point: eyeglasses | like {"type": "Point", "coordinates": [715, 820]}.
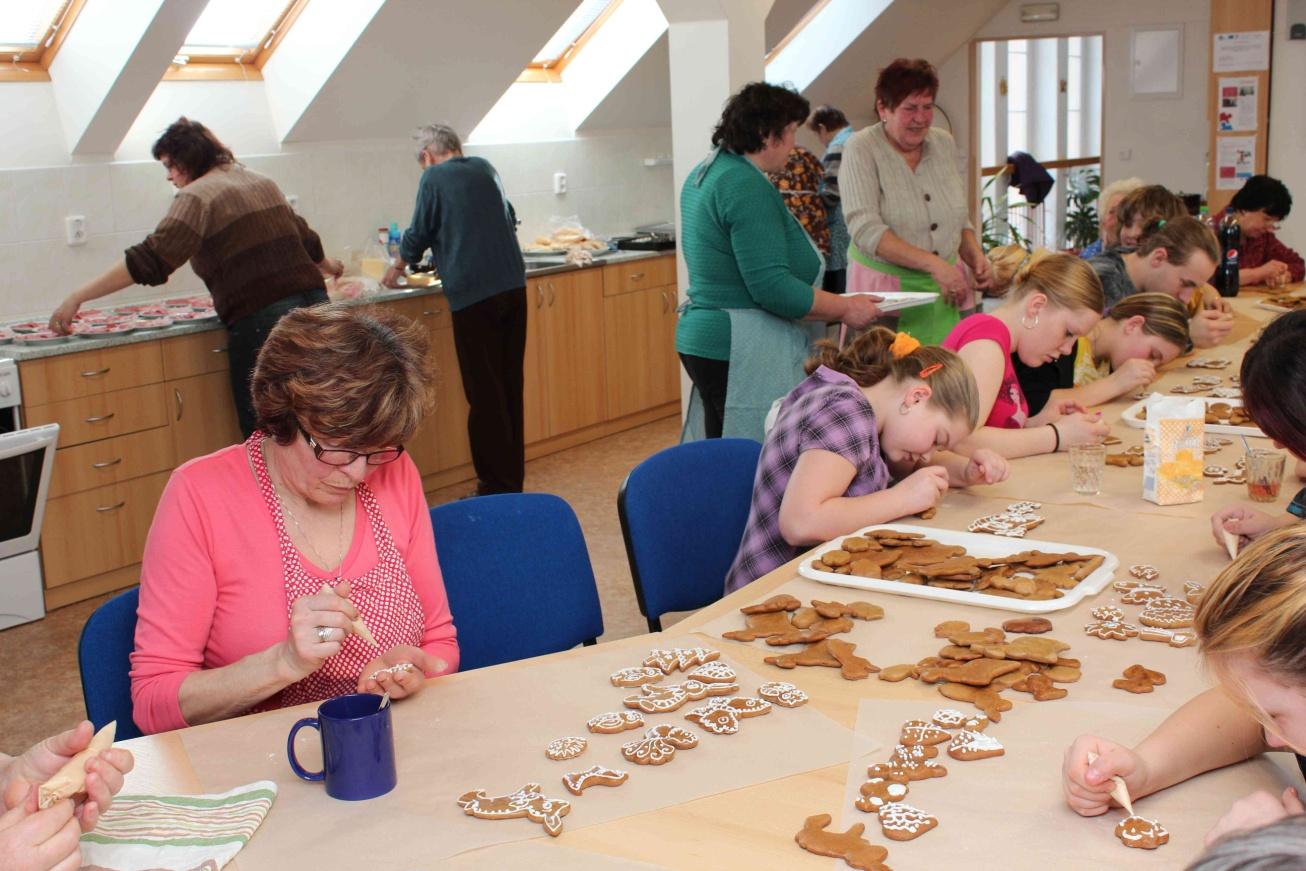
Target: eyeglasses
{"type": "Point", "coordinates": [341, 457]}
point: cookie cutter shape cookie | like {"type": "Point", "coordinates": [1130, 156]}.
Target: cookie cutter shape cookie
{"type": "Point", "coordinates": [636, 676]}
{"type": "Point", "coordinates": [849, 846]}
{"type": "Point", "coordinates": [782, 602]}
{"type": "Point", "coordinates": [922, 732]}
{"type": "Point", "coordinates": [1145, 834]}
{"type": "Point", "coordinates": [1111, 630]}
{"type": "Point", "coordinates": [1167, 614]}
{"type": "Point", "coordinates": [1144, 572]}
{"type": "Point", "coordinates": [680, 658]}
{"type": "Point", "coordinates": [713, 672]}
{"type": "Point", "coordinates": [659, 745]}
{"type": "Point", "coordinates": [782, 693]}
{"type": "Point", "coordinates": [529, 802]}
{"type": "Point", "coordinates": [596, 775]}
{"type": "Point", "coordinates": [1143, 593]}
{"type": "Point", "coordinates": [968, 745]}
{"type": "Point", "coordinates": [876, 792]}
{"type": "Point", "coordinates": [660, 699]}
{"type": "Point", "coordinates": [565, 748]}
{"type": "Point", "coordinates": [1175, 638]}
{"type": "Point", "coordinates": [1107, 612]}
{"type": "Point", "coordinates": [948, 718]}
{"type": "Point", "coordinates": [615, 721]}
{"type": "Point", "coordinates": [917, 761]}
{"type": "Point", "coordinates": [722, 716]}
{"type": "Point", "coordinates": [902, 822]}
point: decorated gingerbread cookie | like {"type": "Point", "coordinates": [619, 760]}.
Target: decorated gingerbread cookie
{"type": "Point", "coordinates": [781, 693]}
{"type": "Point", "coordinates": [1141, 833]}
{"type": "Point", "coordinates": [922, 732]}
{"type": "Point", "coordinates": [529, 802]}
{"type": "Point", "coordinates": [659, 745]}
{"type": "Point", "coordinates": [948, 718]}
{"type": "Point", "coordinates": [1111, 630]}
{"type": "Point", "coordinates": [879, 791]}
{"type": "Point", "coordinates": [615, 721]}
{"type": "Point", "coordinates": [722, 716]}
{"type": "Point", "coordinates": [637, 676]}
{"type": "Point", "coordinates": [968, 745]}
{"type": "Point", "coordinates": [565, 748]}
{"type": "Point", "coordinates": [902, 822]}
{"type": "Point", "coordinates": [596, 775]}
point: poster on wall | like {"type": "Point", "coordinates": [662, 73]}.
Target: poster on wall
{"type": "Point", "coordinates": [1237, 109]}
{"type": "Point", "coordinates": [1241, 52]}
{"type": "Point", "coordinates": [1235, 161]}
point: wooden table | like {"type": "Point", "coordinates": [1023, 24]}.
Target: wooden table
{"type": "Point", "coordinates": [754, 827]}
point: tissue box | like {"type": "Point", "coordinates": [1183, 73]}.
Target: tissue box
{"type": "Point", "coordinates": [1172, 450]}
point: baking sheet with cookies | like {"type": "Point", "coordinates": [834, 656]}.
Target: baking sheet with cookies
{"type": "Point", "coordinates": [976, 545]}
{"type": "Point", "coordinates": [488, 729]}
{"type": "Point", "coordinates": [1132, 417]}
{"type": "Point", "coordinates": [1010, 807]}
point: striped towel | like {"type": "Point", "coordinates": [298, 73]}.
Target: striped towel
{"type": "Point", "coordinates": [176, 832]}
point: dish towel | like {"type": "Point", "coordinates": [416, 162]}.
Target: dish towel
{"type": "Point", "coordinates": [177, 832]}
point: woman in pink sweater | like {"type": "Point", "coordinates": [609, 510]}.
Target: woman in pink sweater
{"type": "Point", "coordinates": [262, 556]}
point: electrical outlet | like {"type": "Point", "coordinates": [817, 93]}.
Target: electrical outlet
{"type": "Point", "coordinates": [75, 228]}
{"type": "Point", "coordinates": [559, 182]}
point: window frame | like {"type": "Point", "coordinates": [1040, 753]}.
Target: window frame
{"type": "Point", "coordinates": [551, 70]}
{"type": "Point", "coordinates": [807, 18]}
{"type": "Point", "coordinates": [34, 65]}
{"type": "Point", "coordinates": [247, 66]}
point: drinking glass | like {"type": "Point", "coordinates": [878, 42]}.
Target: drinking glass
{"type": "Point", "coordinates": [1264, 474]}
{"type": "Point", "coordinates": [1087, 467]}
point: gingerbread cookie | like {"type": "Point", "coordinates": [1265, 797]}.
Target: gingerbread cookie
{"type": "Point", "coordinates": [902, 822]}
{"type": "Point", "coordinates": [1175, 638]}
{"type": "Point", "coordinates": [876, 792]}
{"type": "Point", "coordinates": [818, 631]}
{"type": "Point", "coordinates": [986, 700]}
{"type": "Point", "coordinates": [615, 721]}
{"type": "Point", "coordinates": [959, 654]}
{"type": "Point", "coordinates": [660, 699]}
{"type": "Point", "coordinates": [1193, 592]}
{"type": "Point", "coordinates": [659, 745]}
{"type": "Point", "coordinates": [895, 673]}
{"type": "Point", "coordinates": [1139, 679]}
{"type": "Point", "coordinates": [851, 666]}
{"type": "Point", "coordinates": [1144, 572]}
{"type": "Point", "coordinates": [1167, 614]}
{"type": "Point", "coordinates": [948, 718]}
{"type": "Point", "coordinates": [722, 716]}
{"type": "Point", "coordinates": [782, 602]}
{"type": "Point", "coordinates": [977, 723]}
{"type": "Point", "coordinates": [817, 654]}
{"type": "Point", "coordinates": [849, 846]}
{"type": "Point", "coordinates": [1107, 612]}
{"type": "Point", "coordinates": [917, 762]}
{"type": "Point", "coordinates": [976, 673]}
{"type": "Point", "coordinates": [565, 748]}
{"type": "Point", "coordinates": [1142, 594]}
{"type": "Point", "coordinates": [1044, 650]}
{"type": "Point", "coordinates": [1111, 630]}
{"type": "Point", "coordinates": [596, 775]}
{"type": "Point", "coordinates": [713, 672]}
{"type": "Point", "coordinates": [529, 802]}
{"type": "Point", "coordinates": [786, 695]}
{"type": "Point", "coordinates": [1028, 625]}
{"type": "Point", "coordinates": [968, 745]}
{"type": "Point", "coordinates": [680, 658]}
{"type": "Point", "coordinates": [1142, 833]}
{"type": "Point", "coordinates": [949, 628]}
{"type": "Point", "coordinates": [1040, 687]}
{"type": "Point", "coordinates": [634, 677]}
{"type": "Point", "coordinates": [858, 544]}
{"type": "Point", "coordinates": [987, 636]}
{"type": "Point", "coordinates": [922, 732]}
{"type": "Point", "coordinates": [1062, 673]}
{"type": "Point", "coordinates": [765, 625]}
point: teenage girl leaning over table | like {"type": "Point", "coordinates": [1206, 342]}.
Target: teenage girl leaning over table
{"type": "Point", "coordinates": [1251, 625]}
{"type": "Point", "coordinates": [876, 411]}
{"type": "Point", "coordinates": [1055, 299]}
{"type": "Point", "coordinates": [1273, 379]}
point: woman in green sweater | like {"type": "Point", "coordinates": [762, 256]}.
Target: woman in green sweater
{"type": "Point", "coordinates": [742, 247]}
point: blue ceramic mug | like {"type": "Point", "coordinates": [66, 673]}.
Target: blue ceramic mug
{"type": "Point", "coordinates": [358, 747]}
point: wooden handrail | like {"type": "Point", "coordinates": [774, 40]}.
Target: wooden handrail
{"type": "Point", "coordinates": [1050, 164]}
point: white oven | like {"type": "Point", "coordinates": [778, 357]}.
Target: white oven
{"type": "Point", "coordinates": [26, 461]}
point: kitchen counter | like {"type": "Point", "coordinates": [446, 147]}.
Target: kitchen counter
{"type": "Point", "coordinates": [20, 353]}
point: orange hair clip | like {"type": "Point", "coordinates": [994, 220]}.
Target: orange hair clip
{"type": "Point", "coordinates": [930, 370]}
{"type": "Point", "coordinates": [903, 345]}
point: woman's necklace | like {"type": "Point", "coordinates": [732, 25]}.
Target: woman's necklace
{"type": "Point", "coordinates": [340, 532]}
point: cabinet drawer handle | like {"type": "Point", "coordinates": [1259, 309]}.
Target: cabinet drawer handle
{"type": "Point", "coordinates": [636, 276]}
{"type": "Point", "coordinates": [181, 406]}
{"type": "Point", "coordinates": [539, 291]}
{"type": "Point", "coordinates": [101, 418]}
{"type": "Point", "coordinates": [663, 294]}
{"type": "Point", "coordinates": [430, 313]}
{"type": "Point", "coordinates": [106, 508]}
{"type": "Point", "coordinates": [95, 373]}
{"type": "Point", "coordinates": [107, 463]}
{"type": "Point", "coordinates": [551, 289]}
{"type": "Point", "coordinates": [217, 350]}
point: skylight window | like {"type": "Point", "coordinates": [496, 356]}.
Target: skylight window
{"type": "Point", "coordinates": [233, 39]}
{"type": "Point", "coordinates": [573, 33]}
{"type": "Point", "coordinates": [28, 29]}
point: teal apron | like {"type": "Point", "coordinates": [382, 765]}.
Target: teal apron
{"type": "Point", "coordinates": [928, 324]}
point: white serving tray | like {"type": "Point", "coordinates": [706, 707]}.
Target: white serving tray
{"type": "Point", "coordinates": [895, 300]}
{"type": "Point", "coordinates": [976, 544]}
{"type": "Point", "coordinates": [1131, 418]}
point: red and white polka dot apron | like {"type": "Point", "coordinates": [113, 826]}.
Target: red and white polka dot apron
{"type": "Point", "coordinates": [384, 597]}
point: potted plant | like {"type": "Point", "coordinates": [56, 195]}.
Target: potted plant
{"type": "Point", "coordinates": [1081, 208]}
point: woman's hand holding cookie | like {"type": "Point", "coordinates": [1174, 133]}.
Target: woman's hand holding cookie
{"type": "Point", "coordinates": [380, 676]}
{"type": "Point", "coordinates": [986, 467]}
{"type": "Point", "coordinates": [1134, 374]}
{"type": "Point", "coordinates": [1081, 428]}
{"type": "Point", "coordinates": [319, 624]}
{"type": "Point", "coordinates": [922, 489]}
{"type": "Point", "coordinates": [1088, 785]}
{"type": "Point", "coordinates": [1258, 809]}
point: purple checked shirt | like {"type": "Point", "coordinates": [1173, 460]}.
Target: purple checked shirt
{"type": "Point", "coordinates": [826, 412]}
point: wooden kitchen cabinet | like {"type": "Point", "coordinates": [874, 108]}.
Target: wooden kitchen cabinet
{"type": "Point", "coordinates": [109, 461]}
{"type": "Point", "coordinates": [640, 334]}
{"type": "Point", "coordinates": [90, 373]}
{"type": "Point", "coordinates": [195, 354]}
{"type": "Point", "coordinates": [90, 533]}
{"type": "Point", "coordinates": [102, 416]}
{"type": "Point", "coordinates": [571, 347]}
{"type": "Point", "coordinates": [534, 398]}
{"type": "Point", "coordinates": [448, 420]}
{"type": "Point", "coordinates": [202, 416]}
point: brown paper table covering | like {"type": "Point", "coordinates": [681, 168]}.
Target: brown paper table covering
{"type": "Point", "coordinates": [490, 733]}
{"type": "Point", "coordinates": [1010, 808]}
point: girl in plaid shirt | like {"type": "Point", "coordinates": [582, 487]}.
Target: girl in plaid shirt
{"type": "Point", "coordinates": [854, 445]}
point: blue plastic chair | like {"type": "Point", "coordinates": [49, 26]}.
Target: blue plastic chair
{"type": "Point", "coordinates": [518, 577]}
{"type": "Point", "coordinates": [103, 654]}
{"type": "Point", "coordinates": [683, 512]}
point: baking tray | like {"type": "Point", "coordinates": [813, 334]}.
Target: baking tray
{"type": "Point", "coordinates": [1131, 418]}
{"type": "Point", "coordinates": [895, 300]}
{"type": "Point", "coordinates": [976, 544]}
